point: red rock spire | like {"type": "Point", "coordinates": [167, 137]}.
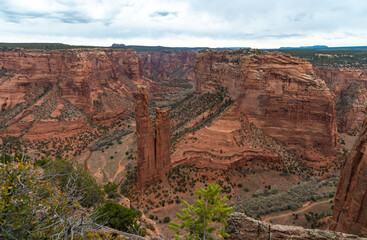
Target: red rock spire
{"type": "Point", "coordinates": [153, 154]}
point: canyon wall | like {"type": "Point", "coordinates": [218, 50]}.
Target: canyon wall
{"type": "Point", "coordinates": [350, 210]}
{"type": "Point", "coordinates": [242, 227]}
{"type": "Point", "coordinates": [277, 92]}
{"type": "Point", "coordinates": [350, 88]}
{"type": "Point", "coordinates": [153, 154]}
{"type": "Point", "coordinates": [41, 90]}
{"type": "Point", "coordinates": [168, 65]}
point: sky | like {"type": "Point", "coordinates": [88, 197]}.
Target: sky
{"type": "Point", "coordinates": [186, 23]}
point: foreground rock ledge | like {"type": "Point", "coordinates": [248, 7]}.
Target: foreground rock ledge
{"type": "Point", "coordinates": [242, 227]}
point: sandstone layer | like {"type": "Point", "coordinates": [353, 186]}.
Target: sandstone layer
{"type": "Point", "coordinates": [153, 153]}
{"type": "Point", "coordinates": [42, 91]}
{"type": "Point", "coordinates": [168, 65]}
{"type": "Point", "coordinates": [162, 142]}
{"type": "Point", "coordinates": [242, 227]}
{"type": "Point", "coordinates": [278, 93]}
{"type": "Point", "coordinates": [350, 210]}
{"type": "Point", "coordinates": [350, 88]}
{"type": "Point", "coordinates": [229, 141]}
{"type": "Point", "coordinates": [147, 171]}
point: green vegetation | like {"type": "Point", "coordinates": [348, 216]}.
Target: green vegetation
{"type": "Point", "coordinates": [31, 208]}
{"type": "Point", "coordinates": [331, 57]}
{"type": "Point", "coordinates": [191, 107]}
{"type": "Point", "coordinates": [268, 201]}
{"type": "Point", "coordinates": [111, 189]}
{"type": "Point", "coordinates": [118, 217]}
{"type": "Point", "coordinates": [75, 180]}
{"type": "Point", "coordinates": [197, 219]}
{"type": "Point", "coordinates": [56, 201]}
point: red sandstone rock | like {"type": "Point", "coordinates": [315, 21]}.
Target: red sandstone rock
{"type": "Point", "coordinates": [162, 142]}
{"type": "Point", "coordinates": [153, 154]}
{"type": "Point", "coordinates": [277, 92]}
{"type": "Point", "coordinates": [168, 65]}
{"type": "Point", "coordinates": [67, 85]}
{"type": "Point", "coordinates": [147, 171]}
{"type": "Point", "coordinates": [350, 88]}
{"type": "Point", "coordinates": [350, 210]}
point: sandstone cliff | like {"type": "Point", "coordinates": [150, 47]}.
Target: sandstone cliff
{"type": "Point", "coordinates": [153, 154]}
{"type": "Point", "coordinates": [43, 91]}
{"type": "Point", "coordinates": [350, 210]}
{"type": "Point", "coordinates": [242, 227]}
{"type": "Point", "coordinates": [168, 65]}
{"type": "Point", "coordinates": [350, 88]}
{"type": "Point", "coordinates": [278, 93]}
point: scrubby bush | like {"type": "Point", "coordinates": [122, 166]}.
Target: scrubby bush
{"type": "Point", "coordinates": [267, 201]}
{"type": "Point", "coordinates": [74, 180]}
{"type": "Point", "coordinates": [111, 189]}
{"type": "Point", "coordinates": [118, 217]}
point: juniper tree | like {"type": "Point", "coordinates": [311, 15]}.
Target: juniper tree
{"type": "Point", "coordinates": [198, 220]}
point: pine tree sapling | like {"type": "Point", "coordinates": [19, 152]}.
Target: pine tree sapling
{"type": "Point", "coordinates": [197, 220]}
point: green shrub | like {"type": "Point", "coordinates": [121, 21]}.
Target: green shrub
{"type": "Point", "coordinates": [111, 189]}
{"type": "Point", "coordinates": [166, 219]}
{"type": "Point", "coordinates": [75, 181]}
{"type": "Point", "coordinates": [118, 217]}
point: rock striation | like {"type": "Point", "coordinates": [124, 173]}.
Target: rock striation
{"type": "Point", "coordinates": [44, 91]}
{"type": "Point", "coordinates": [162, 142]}
{"type": "Point", "coordinates": [153, 153]}
{"type": "Point", "coordinates": [278, 93]}
{"type": "Point", "coordinates": [350, 88]}
{"type": "Point", "coordinates": [242, 227]}
{"type": "Point", "coordinates": [350, 210]}
{"type": "Point", "coordinates": [168, 65]}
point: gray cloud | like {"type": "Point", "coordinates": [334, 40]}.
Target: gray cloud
{"type": "Point", "coordinates": [163, 14]}
{"type": "Point", "coordinates": [266, 22]}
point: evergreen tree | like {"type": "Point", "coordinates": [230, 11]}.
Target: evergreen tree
{"type": "Point", "coordinates": [198, 219]}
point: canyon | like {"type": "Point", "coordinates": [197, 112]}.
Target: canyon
{"type": "Point", "coordinates": [278, 108]}
{"type": "Point", "coordinates": [48, 92]}
{"type": "Point", "coordinates": [350, 88]}
{"type": "Point", "coordinates": [225, 115]}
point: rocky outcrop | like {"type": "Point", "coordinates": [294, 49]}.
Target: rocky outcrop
{"type": "Point", "coordinates": [162, 142]}
{"type": "Point", "coordinates": [242, 227]}
{"type": "Point", "coordinates": [76, 85]}
{"type": "Point", "coordinates": [278, 93]}
{"type": "Point", "coordinates": [147, 171]}
{"type": "Point", "coordinates": [229, 141]}
{"type": "Point", "coordinates": [350, 88]}
{"type": "Point", "coordinates": [350, 210]}
{"type": "Point", "coordinates": [168, 65]}
{"type": "Point", "coordinates": [153, 154]}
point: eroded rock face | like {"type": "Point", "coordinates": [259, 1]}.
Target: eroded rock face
{"type": "Point", "coordinates": [350, 210]}
{"type": "Point", "coordinates": [65, 86]}
{"type": "Point", "coordinates": [147, 171]}
{"type": "Point", "coordinates": [168, 65]}
{"type": "Point", "coordinates": [153, 154]}
{"type": "Point", "coordinates": [277, 92]}
{"type": "Point", "coordinates": [350, 88]}
{"type": "Point", "coordinates": [162, 142]}
{"type": "Point", "coordinates": [242, 227]}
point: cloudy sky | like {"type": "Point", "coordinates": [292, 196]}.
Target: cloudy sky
{"type": "Point", "coordinates": [210, 23]}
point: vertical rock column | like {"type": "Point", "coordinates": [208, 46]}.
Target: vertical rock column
{"type": "Point", "coordinates": [144, 131]}
{"type": "Point", "coordinates": [162, 142]}
{"type": "Point", "coordinates": [350, 210]}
